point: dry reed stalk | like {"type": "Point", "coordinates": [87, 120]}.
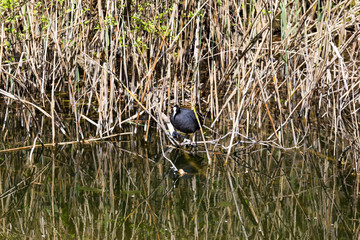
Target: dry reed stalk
{"type": "Point", "coordinates": [87, 141]}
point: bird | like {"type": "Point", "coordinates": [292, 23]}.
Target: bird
{"type": "Point", "coordinates": [184, 120]}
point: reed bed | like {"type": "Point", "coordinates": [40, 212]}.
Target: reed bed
{"type": "Point", "coordinates": [277, 82]}
{"type": "Point", "coordinates": [269, 73]}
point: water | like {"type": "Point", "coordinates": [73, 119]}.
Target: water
{"type": "Point", "coordinates": [125, 188]}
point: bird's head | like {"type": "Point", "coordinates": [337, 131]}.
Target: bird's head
{"type": "Point", "coordinates": [176, 110]}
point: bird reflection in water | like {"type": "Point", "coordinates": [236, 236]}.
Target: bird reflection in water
{"type": "Point", "coordinates": [187, 163]}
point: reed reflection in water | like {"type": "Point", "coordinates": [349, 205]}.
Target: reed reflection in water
{"type": "Point", "coordinates": [127, 189]}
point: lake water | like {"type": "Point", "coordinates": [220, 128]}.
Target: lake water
{"type": "Point", "coordinates": [125, 188]}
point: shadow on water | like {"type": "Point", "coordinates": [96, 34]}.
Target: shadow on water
{"type": "Point", "coordinates": [126, 188]}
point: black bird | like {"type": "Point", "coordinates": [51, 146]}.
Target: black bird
{"type": "Point", "coordinates": [184, 120]}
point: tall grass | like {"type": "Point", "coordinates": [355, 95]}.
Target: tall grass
{"type": "Point", "coordinates": [263, 72]}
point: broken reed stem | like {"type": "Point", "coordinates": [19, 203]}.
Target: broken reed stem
{"type": "Point", "coordinates": [87, 141]}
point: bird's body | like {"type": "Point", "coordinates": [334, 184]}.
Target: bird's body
{"type": "Point", "coordinates": [184, 120]}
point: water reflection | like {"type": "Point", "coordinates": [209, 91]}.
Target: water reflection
{"type": "Point", "coordinates": [121, 189]}
{"type": "Point", "coordinates": [188, 164]}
